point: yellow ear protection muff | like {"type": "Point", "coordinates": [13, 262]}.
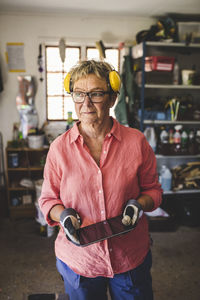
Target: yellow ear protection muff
{"type": "Point", "coordinates": [67, 83]}
{"type": "Point", "coordinates": [114, 82]}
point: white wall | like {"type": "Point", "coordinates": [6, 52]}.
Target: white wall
{"type": "Point", "coordinates": [35, 29]}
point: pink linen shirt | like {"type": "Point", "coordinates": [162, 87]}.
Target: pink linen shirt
{"type": "Point", "coordinates": [72, 178]}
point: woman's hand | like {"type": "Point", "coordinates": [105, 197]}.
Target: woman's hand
{"type": "Point", "coordinates": [70, 221]}
{"type": "Point", "coordinates": [132, 212]}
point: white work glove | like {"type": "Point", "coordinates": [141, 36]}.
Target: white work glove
{"type": "Point", "coordinates": [132, 212]}
{"type": "Point", "coordinates": [70, 221]}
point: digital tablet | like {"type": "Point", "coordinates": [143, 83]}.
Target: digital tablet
{"type": "Point", "coordinates": [102, 230]}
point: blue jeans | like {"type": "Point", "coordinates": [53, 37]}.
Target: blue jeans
{"type": "Point", "coordinates": [135, 284]}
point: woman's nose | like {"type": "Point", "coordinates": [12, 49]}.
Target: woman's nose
{"type": "Point", "coordinates": [87, 100]}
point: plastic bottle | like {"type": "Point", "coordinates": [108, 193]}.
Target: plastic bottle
{"type": "Point", "coordinates": [164, 136]}
{"type": "Point", "coordinates": [177, 138]}
{"type": "Point", "coordinates": [69, 120]}
{"type": "Point", "coordinates": [191, 142]}
{"type": "Point", "coordinates": [166, 178]}
{"type": "Point", "coordinates": [150, 135]}
{"type": "Point", "coordinates": [197, 140]}
{"type": "Point", "coordinates": [184, 142]}
{"type": "Point", "coordinates": [164, 141]}
{"type": "Point", "coordinates": [171, 141]}
{"type": "Point", "coordinates": [176, 73]}
{"type": "Point", "coordinates": [162, 170]}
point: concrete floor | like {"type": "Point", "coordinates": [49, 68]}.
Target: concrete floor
{"type": "Point", "coordinates": [27, 262]}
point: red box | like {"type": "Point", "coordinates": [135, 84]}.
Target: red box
{"type": "Point", "coordinates": [159, 63]}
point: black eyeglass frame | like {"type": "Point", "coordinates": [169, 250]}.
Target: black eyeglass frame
{"type": "Point", "coordinates": [89, 96]}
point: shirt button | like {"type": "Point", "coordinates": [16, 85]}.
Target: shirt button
{"type": "Point", "coordinates": [109, 135]}
{"type": "Point", "coordinates": [100, 191]}
{"type": "Point", "coordinates": [102, 212]}
{"type": "Point", "coordinates": [110, 249]}
{"type": "Point", "coordinates": [99, 171]}
{"type": "Point", "coordinates": [104, 151]}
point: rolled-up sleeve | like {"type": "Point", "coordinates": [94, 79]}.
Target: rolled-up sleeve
{"type": "Point", "coordinates": [148, 176]}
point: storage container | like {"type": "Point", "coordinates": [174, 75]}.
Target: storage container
{"type": "Point", "coordinates": [159, 63]}
{"type": "Point", "coordinates": [186, 29]}
{"type": "Point", "coordinates": [13, 160]}
{"type": "Point", "coordinates": [36, 141]}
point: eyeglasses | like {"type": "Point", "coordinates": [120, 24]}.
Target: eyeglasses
{"type": "Point", "coordinates": [95, 97]}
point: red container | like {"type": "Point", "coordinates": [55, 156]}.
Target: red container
{"type": "Point", "coordinates": [159, 63]}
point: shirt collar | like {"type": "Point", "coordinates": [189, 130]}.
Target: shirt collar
{"type": "Point", "coordinates": [74, 133]}
{"type": "Point", "coordinates": [115, 131]}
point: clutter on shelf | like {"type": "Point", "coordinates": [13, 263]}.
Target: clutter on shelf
{"type": "Point", "coordinates": [170, 29]}
{"type": "Point", "coordinates": [163, 29]}
{"type": "Point", "coordinates": [176, 108]}
{"type": "Point", "coordinates": [178, 140]}
{"type": "Point", "coordinates": [173, 140]}
{"type": "Point", "coordinates": [186, 176]}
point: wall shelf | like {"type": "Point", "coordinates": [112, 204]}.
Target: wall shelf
{"type": "Point", "coordinates": [138, 50]}
{"type": "Point", "coordinates": [170, 86]}
{"type": "Point", "coordinates": [166, 122]}
{"type": "Point", "coordinates": [177, 156]}
{"type": "Point", "coordinates": [39, 168]}
{"type": "Point", "coordinates": [194, 191]}
{"type": "Point", "coordinates": [31, 165]}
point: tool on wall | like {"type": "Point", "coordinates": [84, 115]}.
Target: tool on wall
{"type": "Point", "coordinates": [62, 49]}
{"type": "Point", "coordinates": [101, 48]}
{"type": "Point", "coordinates": [40, 62]}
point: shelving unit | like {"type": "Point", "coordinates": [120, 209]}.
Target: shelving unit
{"type": "Point", "coordinates": [169, 86]}
{"type": "Point", "coordinates": [142, 50]}
{"type": "Point", "coordinates": [30, 166]}
{"type": "Point", "coordinates": [165, 122]}
{"type": "Point", "coordinates": [187, 56]}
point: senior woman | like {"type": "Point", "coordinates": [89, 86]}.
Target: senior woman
{"type": "Point", "coordinates": [97, 170]}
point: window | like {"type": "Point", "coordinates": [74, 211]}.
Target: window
{"type": "Point", "coordinates": [58, 102]}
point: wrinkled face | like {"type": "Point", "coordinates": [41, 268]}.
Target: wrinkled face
{"type": "Point", "coordinates": [88, 112]}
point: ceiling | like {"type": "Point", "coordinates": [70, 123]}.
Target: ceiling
{"type": "Point", "coordinates": [145, 8]}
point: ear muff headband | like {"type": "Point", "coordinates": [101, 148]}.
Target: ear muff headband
{"type": "Point", "coordinates": [114, 81]}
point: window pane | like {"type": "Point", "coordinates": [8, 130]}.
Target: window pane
{"type": "Point", "coordinates": [72, 56]}
{"type": "Point", "coordinates": [54, 84]}
{"type": "Point", "coordinates": [69, 106]}
{"type": "Point", "coordinates": [92, 53]}
{"type": "Point", "coordinates": [54, 62]}
{"type": "Point", "coordinates": [54, 108]}
{"type": "Point", "coordinates": [112, 57]}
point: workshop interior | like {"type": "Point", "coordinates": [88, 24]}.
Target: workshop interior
{"type": "Point", "coordinates": [155, 50]}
